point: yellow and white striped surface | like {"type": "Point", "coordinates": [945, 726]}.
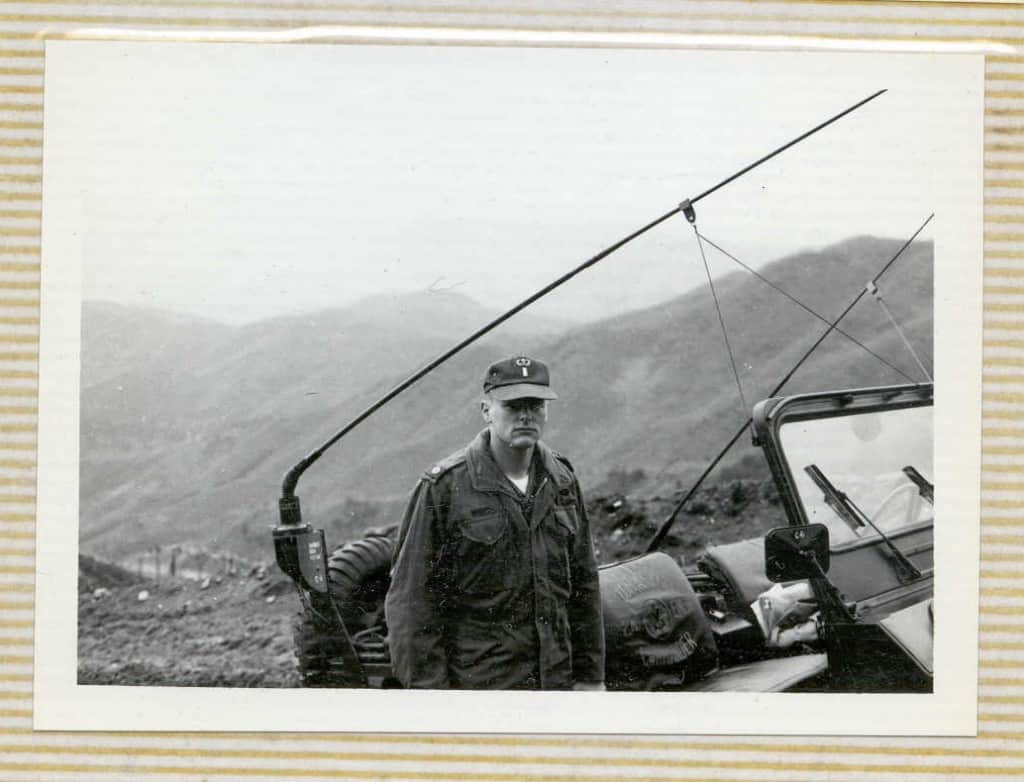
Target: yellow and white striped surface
{"type": "Point", "coordinates": [997, 752]}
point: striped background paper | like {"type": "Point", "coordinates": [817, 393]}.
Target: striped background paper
{"type": "Point", "coordinates": [997, 752]}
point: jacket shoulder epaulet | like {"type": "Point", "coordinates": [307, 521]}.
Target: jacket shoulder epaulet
{"type": "Point", "coordinates": [433, 474]}
{"type": "Point", "coordinates": [564, 461]}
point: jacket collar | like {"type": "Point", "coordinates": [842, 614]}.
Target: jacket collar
{"type": "Point", "coordinates": [485, 474]}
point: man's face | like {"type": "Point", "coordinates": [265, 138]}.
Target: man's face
{"type": "Point", "coordinates": [518, 423]}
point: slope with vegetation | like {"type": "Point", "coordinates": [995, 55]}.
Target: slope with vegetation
{"type": "Point", "coordinates": [188, 426]}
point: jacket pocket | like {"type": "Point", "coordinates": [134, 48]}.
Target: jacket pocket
{"type": "Point", "coordinates": [483, 555]}
{"type": "Point", "coordinates": [561, 541]}
{"type": "Point", "coordinates": [485, 528]}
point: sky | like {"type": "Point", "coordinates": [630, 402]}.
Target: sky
{"type": "Point", "coordinates": [242, 181]}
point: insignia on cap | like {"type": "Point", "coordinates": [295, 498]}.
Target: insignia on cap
{"type": "Point", "coordinates": [522, 362]}
{"type": "Point", "coordinates": [435, 470]}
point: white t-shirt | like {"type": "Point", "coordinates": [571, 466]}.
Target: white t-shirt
{"type": "Point", "coordinates": [520, 483]}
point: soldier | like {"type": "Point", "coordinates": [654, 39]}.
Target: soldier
{"type": "Point", "coordinates": [494, 583]}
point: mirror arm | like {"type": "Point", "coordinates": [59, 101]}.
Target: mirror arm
{"type": "Point", "coordinates": [829, 597]}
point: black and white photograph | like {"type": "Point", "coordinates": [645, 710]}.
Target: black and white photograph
{"type": "Point", "coordinates": [574, 386]}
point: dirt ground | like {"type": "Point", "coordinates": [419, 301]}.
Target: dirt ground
{"type": "Point", "coordinates": [234, 630]}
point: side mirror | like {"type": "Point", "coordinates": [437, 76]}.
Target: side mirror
{"type": "Point", "coordinates": [796, 553]}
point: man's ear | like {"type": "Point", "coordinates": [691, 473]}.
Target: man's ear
{"type": "Point", "coordinates": [485, 410]}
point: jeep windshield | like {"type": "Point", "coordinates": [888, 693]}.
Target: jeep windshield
{"type": "Point", "coordinates": [881, 460]}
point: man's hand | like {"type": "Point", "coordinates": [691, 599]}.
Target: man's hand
{"type": "Point", "coordinates": [589, 686]}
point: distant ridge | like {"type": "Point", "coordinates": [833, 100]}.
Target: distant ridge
{"type": "Point", "coordinates": [189, 425]}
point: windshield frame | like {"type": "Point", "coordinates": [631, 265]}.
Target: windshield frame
{"type": "Point", "coordinates": [771, 414]}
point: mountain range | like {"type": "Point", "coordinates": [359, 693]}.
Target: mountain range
{"type": "Point", "coordinates": [188, 425]}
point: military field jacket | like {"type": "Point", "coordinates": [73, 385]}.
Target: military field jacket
{"type": "Point", "coordinates": [489, 594]}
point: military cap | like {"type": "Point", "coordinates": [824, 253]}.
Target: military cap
{"type": "Point", "coordinates": [518, 377]}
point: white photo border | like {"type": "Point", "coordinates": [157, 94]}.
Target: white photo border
{"type": "Point", "coordinates": [60, 703]}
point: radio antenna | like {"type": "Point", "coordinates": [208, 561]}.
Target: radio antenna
{"type": "Point", "coordinates": [291, 514]}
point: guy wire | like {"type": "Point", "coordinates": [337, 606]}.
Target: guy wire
{"type": "Point", "coordinates": [892, 320]}
{"type": "Point", "coordinates": [659, 536]}
{"type": "Point", "coordinates": [721, 320]}
{"type": "Point", "coordinates": [807, 309]}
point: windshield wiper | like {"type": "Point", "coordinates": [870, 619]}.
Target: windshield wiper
{"type": "Point", "coordinates": [926, 488]}
{"type": "Point", "coordinates": [856, 519]}
{"type": "Point", "coordinates": [840, 504]}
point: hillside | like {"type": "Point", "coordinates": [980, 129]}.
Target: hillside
{"type": "Point", "coordinates": [188, 427]}
{"type": "Point", "coordinates": [185, 420]}
{"type": "Point", "coordinates": [117, 338]}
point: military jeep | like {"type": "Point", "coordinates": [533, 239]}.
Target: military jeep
{"type": "Point", "coordinates": [838, 600]}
